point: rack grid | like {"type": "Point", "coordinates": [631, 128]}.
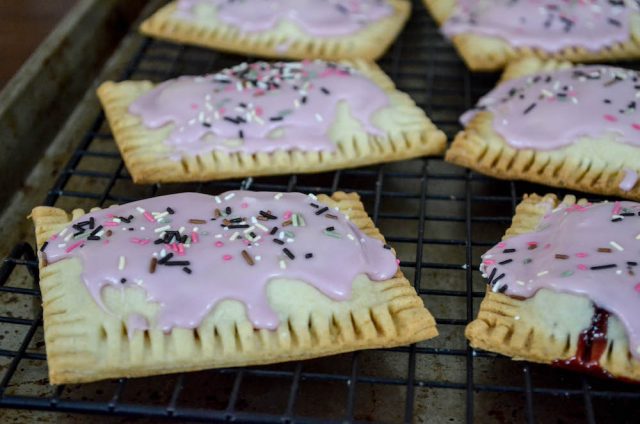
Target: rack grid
{"type": "Point", "coordinates": [439, 218]}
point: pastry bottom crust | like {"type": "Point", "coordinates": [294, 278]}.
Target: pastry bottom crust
{"type": "Point", "coordinates": [486, 53]}
{"type": "Point", "coordinates": [86, 343]}
{"type": "Point", "coordinates": [593, 165]}
{"type": "Point", "coordinates": [546, 327]}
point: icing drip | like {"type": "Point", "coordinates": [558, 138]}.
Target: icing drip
{"type": "Point", "coordinates": [591, 250]}
{"type": "Point", "coordinates": [260, 107]}
{"type": "Point", "coordinates": [319, 18]}
{"type": "Point", "coordinates": [549, 25]}
{"type": "Point", "coordinates": [551, 110]}
{"type": "Point", "coordinates": [189, 251]}
{"type": "Point", "coordinates": [630, 179]}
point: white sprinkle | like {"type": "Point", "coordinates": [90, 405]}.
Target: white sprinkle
{"type": "Point", "coordinates": [319, 117]}
{"type": "Point", "coordinates": [181, 230]}
{"type": "Point", "coordinates": [61, 245]}
{"type": "Point", "coordinates": [262, 227]}
{"type": "Point", "coordinates": [278, 196]}
{"type": "Point", "coordinates": [229, 196]}
{"type": "Point", "coordinates": [163, 253]}
{"type": "Point", "coordinates": [195, 229]}
{"type": "Point", "coordinates": [117, 220]}
{"type": "Point", "coordinates": [283, 264]}
{"type": "Point", "coordinates": [217, 199]}
{"type": "Point", "coordinates": [520, 283]}
{"type": "Point", "coordinates": [121, 263]}
{"type": "Point", "coordinates": [235, 236]}
{"type": "Point", "coordinates": [141, 228]}
{"type": "Point", "coordinates": [638, 236]}
{"type": "Point", "coordinates": [313, 196]}
{"type": "Point", "coordinates": [350, 236]}
{"type": "Point", "coordinates": [67, 238]}
{"type": "Point", "coordinates": [63, 232]}
{"type": "Point", "coordinates": [616, 245]}
{"type": "Point", "coordinates": [540, 274]}
{"type": "Point", "coordinates": [248, 230]}
{"type": "Point", "coordinates": [160, 229]}
{"type": "Point", "coordinates": [619, 271]}
{"type": "Point", "coordinates": [218, 236]}
{"type": "Point", "coordinates": [257, 258]}
{"type": "Point", "coordinates": [139, 209]}
{"type": "Point", "coordinates": [517, 317]}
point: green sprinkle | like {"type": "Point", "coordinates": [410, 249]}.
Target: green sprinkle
{"type": "Point", "coordinates": [567, 273]}
{"type": "Point", "coordinates": [332, 234]}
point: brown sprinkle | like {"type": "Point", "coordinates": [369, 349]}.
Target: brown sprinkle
{"type": "Point", "coordinates": [562, 256]}
{"type": "Point", "coordinates": [287, 223]}
{"type": "Point", "coordinates": [330, 216]}
{"type": "Point", "coordinates": [153, 265]}
{"type": "Point", "coordinates": [197, 221]}
{"type": "Point", "coordinates": [604, 250]}
{"type": "Point", "coordinates": [247, 257]}
{"type": "Point", "coordinates": [109, 233]}
{"type": "Point", "coordinates": [217, 213]}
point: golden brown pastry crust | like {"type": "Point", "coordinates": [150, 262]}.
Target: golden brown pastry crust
{"type": "Point", "coordinates": [592, 165]}
{"type": "Point", "coordinates": [546, 327]}
{"type": "Point", "coordinates": [409, 134]}
{"type": "Point", "coordinates": [85, 343]}
{"type": "Point", "coordinates": [485, 53]}
{"type": "Point", "coordinates": [369, 43]}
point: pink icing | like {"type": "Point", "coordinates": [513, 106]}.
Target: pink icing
{"type": "Point", "coordinates": [551, 110]}
{"type": "Point", "coordinates": [549, 25]}
{"type": "Point", "coordinates": [629, 181]}
{"type": "Point", "coordinates": [249, 102]}
{"type": "Point", "coordinates": [608, 274]}
{"type": "Point", "coordinates": [320, 18]}
{"type": "Point", "coordinates": [324, 250]}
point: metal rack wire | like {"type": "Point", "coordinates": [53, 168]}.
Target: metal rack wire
{"type": "Point", "coordinates": [438, 217]}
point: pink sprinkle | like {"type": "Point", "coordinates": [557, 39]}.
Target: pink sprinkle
{"type": "Point", "coordinates": [635, 127]}
{"type": "Point", "coordinates": [244, 205]}
{"type": "Point", "coordinates": [532, 243]}
{"type": "Point", "coordinates": [398, 262]}
{"type": "Point", "coordinates": [610, 118]}
{"type": "Point", "coordinates": [616, 208]}
{"type": "Point", "coordinates": [502, 244]}
{"type": "Point", "coordinates": [144, 242]}
{"type": "Point", "coordinates": [227, 257]}
{"type": "Point", "coordinates": [489, 262]}
{"type": "Point", "coordinates": [194, 237]}
{"type": "Point", "coordinates": [53, 237]}
{"type": "Point", "coordinates": [222, 111]}
{"type": "Point", "coordinates": [194, 106]}
{"type": "Point", "coordinates": [287, 215]}
{"type": "Point", "coordinates": [582, 267]}
{"type": "Point", "coordinates": [246, 242]}
{"type": "Point", "coordinates": [582, 254]}
{"type": "Point", "coordinates": [180, 249]}
{"type": "Point", "coordinates": [219, 244]}
{"type": "Point", "coordinates": [637, 287]}
{"type": "Point", "coordinates": [110, 215]}
{"type": "Point", "coordinates": [259, 111]}
{"type": "Point", "coordinates": [135, 240]}
{"type": "Point", "coordinates": [110, 224]}
{"type": "Point", "coordinates": [106, 241]}
{"type": "Point", "coordinates": [149, 217]}
{"type": "Point", "coordinates": [73, 246]}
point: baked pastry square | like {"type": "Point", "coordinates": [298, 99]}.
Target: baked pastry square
{"type": "Point", "coordinates": [190, 281]}
{"type": "Point", "coordinates": [563, 287]}
{"type": "Point", "coordinates": [554, 124]}
{"type": "Point", "coordinates": [286, 29]}
{"type": "Point", "coordinates": [265, 119]}
{"type": "Point", "coordinates": [489, 34]}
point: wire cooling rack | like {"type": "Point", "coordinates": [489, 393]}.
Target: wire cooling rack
{"type": "Point", "coordinates": [439, 217]}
